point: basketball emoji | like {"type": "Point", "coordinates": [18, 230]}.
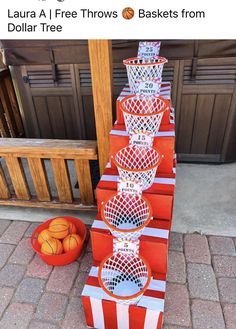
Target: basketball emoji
{"type": "Point", "coordinates": [71, 242]}
{"type": "Point", "coordinates": [44, 235]}
{"type": "Point", "coordinates": [128, 13]}
{"type": "Point", "coordinates": [52, 247]}
{"type": "Point", "coordinates": [59, 228]}
{"type": "Point", "coordinates": [72, 228]}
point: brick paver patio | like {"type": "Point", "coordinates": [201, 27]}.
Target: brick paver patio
{"type": "Point", "coordinates": [201, 289]}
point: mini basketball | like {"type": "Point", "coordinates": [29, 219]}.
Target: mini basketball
{"type": "Point", "coordinates": [71, 242]}
{"type": "Point", "coordinates": [72, 228]}
{"type": "Point", "coordinates": [44, 235]}
{"type": "Point", "coordinates": [59, 228]}
{"type": "Point", "coordinates": [128, 13]}
{"type": "Point", "coordinates": [52, 247]}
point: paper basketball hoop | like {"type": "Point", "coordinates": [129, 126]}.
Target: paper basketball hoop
{"type": "Point", "coordinates": [138, 163]}
{"type": "Point", "coordinates": [124, 277]}
{"type": "Point", "coordinates": [126, 215]}
{"type": "Point", "coordinates": [141, 68]}
{"type": "Point", "coordinates": [142, 113]}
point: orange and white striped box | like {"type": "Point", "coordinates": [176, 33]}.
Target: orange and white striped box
{"type": "Point", "coordinates": [160, 194]}
{"type": "Point", "coordinates": [102, 312]}
{"type": "Point", "coordinates": [154, 238]}
{"type": "Point", "coordinates": [164, 143]}
{"type": "Point", "coordinates": [165, 92]}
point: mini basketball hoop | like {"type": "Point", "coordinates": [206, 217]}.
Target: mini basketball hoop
{"type": "Point", "coordinates": [141, 68]}
{"type": "Point", "coordinates": [143, 113]}
{"type": "Point", "coordinates": [138, 163]}
{"type": "Point", "coordinates": [124, 277]}
{"type": "Point", "coordinates": [126, 215]}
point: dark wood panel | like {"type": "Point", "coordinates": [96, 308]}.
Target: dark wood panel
{"type": "Point", "coordinates": [179, 93]}
{"type": "Point", "coordinates": [208, 89]}
{"type": "Point", "coordinates": [56, 117]}
{"type": "Point", "coordinates": [229, 145]}
{"type": "Point", "coordinates": [218, 123]}
{"type": "Point", "coordinates": [212, 77]}
{"type": "Point", "coordinates": [201, 158]}
{"type": "Point", "coordinates": [43, 119]}
{"type": "Point", "coordinates": [68, 110]}
{"type": "Point", "coordinates": [186, 123]}
{"type": "Point", "coordinates": [202, 123]}
{"type": "Point", "coordinates": [89, 117]}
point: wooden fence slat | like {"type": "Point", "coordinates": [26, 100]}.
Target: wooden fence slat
{"type": "Point", "coordinates": [62, 180]}
{"type": "Point", "coordinates": [18, 178]}
{"type": "Point", "coordinates": [8, 110]}
{"type": "Point", "coordinates": [14, 106]}
{"type": "Point", "coordinates": [4, 190]}
{"type": "Point", "coordinates": [84, 179]}
{"type": "Point", "coordinates": [4, 130]}
{"type": "Point", "coordinates": [38, 174]}
{"type": "Point", "coordinates": [101, 74]}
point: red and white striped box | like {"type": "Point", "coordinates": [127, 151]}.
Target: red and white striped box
{"type": "Point", "coordinates": [102, 312]}
{"type": "Point", "coordinates": [160, 194]}
{"type": "Point", "coordinates": [164, 143]}
{"type": "Point", "coordinates": [155, 237]}
{"type": "Point", "coordinates": [165, 92]}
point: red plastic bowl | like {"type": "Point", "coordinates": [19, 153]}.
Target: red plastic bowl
{"type": "Point", "coordinates": [65, 258]}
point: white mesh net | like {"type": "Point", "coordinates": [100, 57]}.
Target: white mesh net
{"type": "Point", "coordinates": [126, 276]}
{"type": "Point", "coordinates": [138, 163]}
{"type": "Point", "coordinates": [143, 113]}
{"type": "Point", "coordinates": [140, 68]}
{"type": "Point", "coordinates": [126, 215]}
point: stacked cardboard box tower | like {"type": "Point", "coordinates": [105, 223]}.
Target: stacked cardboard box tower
{"type": "Point", "coordinates": [101, 309]}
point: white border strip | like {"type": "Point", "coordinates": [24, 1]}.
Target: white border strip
{"type": "Point", "coordinates": [122, 314]}
{"type": "Point", "coordinates": [151, 319]}
{"type": "Point", "coordinates": [157, 180]}
{"type": "Point", "coordinates": [149, 231]}
{"type": "Point", "coordinates": [152, 303]}
{"type": "Point", "coordinates": [158, 134]}
{"type": "Point", "coordinates": [157, 285]}
{"type": "Point", "coordinates": [97, 312]}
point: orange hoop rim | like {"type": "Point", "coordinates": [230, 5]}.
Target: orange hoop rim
{"type": "Point", "coordinates": [112, 227]}
{"type": "Point", "coordinates": [167, 106]}
{"type": "Point", "coordinates": [136, 170]}
{"type": "Point", "coordinates": [141, 292]}
{"type": "Point", "coordinates": [158, 61]}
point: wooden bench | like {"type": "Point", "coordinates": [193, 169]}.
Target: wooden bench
{"type": "Point", "coordinates": [36, 152]}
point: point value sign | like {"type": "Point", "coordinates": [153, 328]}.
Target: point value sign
{"type": "Point", "coordinates": [149, 49]}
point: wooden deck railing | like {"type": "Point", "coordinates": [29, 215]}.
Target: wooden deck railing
{"type": "Point", "coordinates": [25, 179]}
{"type": "Point", "coordinates": [10, 118]}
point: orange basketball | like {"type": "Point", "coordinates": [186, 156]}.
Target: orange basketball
{"type": "Point", "coordinates": [44, 235]}
{"type": "Point", "coordinates": [128, 13]}
{"type": "Point", "coordinates": [52, 247]}
{"type": "Point", "coordinates": [71, 242]}
{"type": "Point", "coordinates": [59, 228]}
{"type": "Point", "coordinates": [72, 228]}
